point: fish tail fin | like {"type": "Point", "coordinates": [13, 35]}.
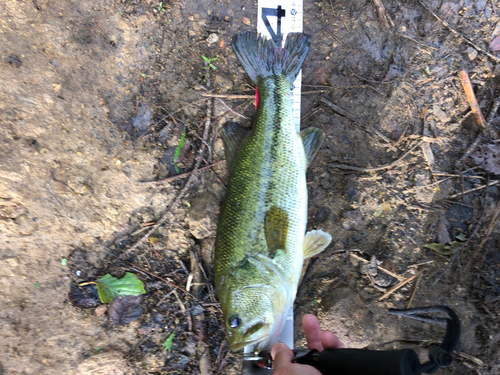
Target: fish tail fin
{"type": "Point", "coordinates": [261, 58]}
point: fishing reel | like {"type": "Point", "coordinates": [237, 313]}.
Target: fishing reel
{"type": "Point", "coordinates": [374, 362]}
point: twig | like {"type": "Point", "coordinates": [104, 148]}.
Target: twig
{"type": "Point", "coordinates": [165, 180]}
{"type": "Point", "coordinates": [160, 278]}
{"type": "Point", "coordinates": [471, 148]}
{"type": "Point", "coordinates": [474, 105]}
{"type": "Point", "coordinates": [382, 14]}
{"type": "Point", "coordinates": [381, 168]}
{"type": "Point", "coordinates": [471, 190]}
{"type": "Point", "coordinates": [401, 284]}
{"type": "Point", "coordinates": [458, 34]}
{"type": "Point", "coordinates": [493, 222]}
{"type": "Point", "coordinates": [228, 96]}
{"type": "Point", "coordinates": [220, 100]}
{"type": "Point", "coordinates": [184, 189]}
{"type": "Point", "coordinates": [362, 124]}
{"type": "Point", "coordinates": [416, 41]}
{"type": "Point", "coordinates": [425, 186]}
{"type": "Point", "coordinates": [493, 111]}
{"type": "Point", "coordinates": [415, 288]}
{"type": "Point", "coordinates": [395, 275]}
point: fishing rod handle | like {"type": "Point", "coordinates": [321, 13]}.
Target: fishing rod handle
{"type": "Point", "coordinates": [364, 362]}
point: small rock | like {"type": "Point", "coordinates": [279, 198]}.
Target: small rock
{"type": "Point", "coordinates": [100, 310]}
{"type": "Point", "coordinates": [246, 21]}
{"type": "Point", "coordinates": [142, 121]}
{"type": "Point", "coordinates": [353, 220]}
{"type": "Point", "coordinates": [440, 114]}
{"type": "Point", "coordinates": [25, 225]}
{"type": "Point", "coordinates": [191, 33]}
{"type": "Point", "coordinates": [471, 53]}
{"type": "Point", "coordinates": [212, 38]}
{"type": "Point", "coordinates": [202, 215]}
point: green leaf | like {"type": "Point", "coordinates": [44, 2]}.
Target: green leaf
{"type": "Point", "coordinates": [64, 261]}
{"type": "Point", "coordinates": [461, 237]}
{"type": "Point", "coordinates": [207, 60]}
{"type": "Point", "coordinates": [160, 6]}
{"type": "Point", "coordinates": [444, 249]}
{"type": "Point", "coordinates": [37, 285]}
{"type": "Point", "coordinates": [168, 342]}
{"type": "Point", "coordinates": [110, 287]}
{"type": "Point", "coordinates": [178, 150]}
{"type": "Point", "coordinates": [427, 70]}
{"type": "Point", "coordinates": [213, 67]}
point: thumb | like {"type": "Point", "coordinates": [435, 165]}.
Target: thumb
{"type": "Point", "coordinates": [282, 356]}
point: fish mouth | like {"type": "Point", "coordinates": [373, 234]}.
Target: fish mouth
{"type": "Point", "coordinates": [247, 338]}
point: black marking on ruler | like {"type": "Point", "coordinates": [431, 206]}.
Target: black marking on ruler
{"type": "Point", "coordinates": [266, 12]}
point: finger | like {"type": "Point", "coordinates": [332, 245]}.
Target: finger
{"type": "Point", "coordinates": [330, 341]}
{"type": "Point", "coordinates": [282, 356]}
{"type": "Point", "coordinates": [312, 331]}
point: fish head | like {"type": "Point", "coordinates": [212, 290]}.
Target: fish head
{"type": "Point", "coordinates": [254, 309]}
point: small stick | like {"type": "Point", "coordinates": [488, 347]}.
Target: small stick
{"type": "Point", "coordinates": [363, 125]}
{"type": "Point", "coordinates": [421, 264]}
{"type": "Point", "coordinates": [160, 278]}
{"type": "Point", "coordinates": [471, 98]}
{"type": "Point", "coordinates": [471, 190]}
{"type": "Point", "coordinates": [395, 275]}
{"type": "Point", "coordinates": [416, 41]}
{"type": "Point", "coordinates": [493, 222]}
{"type": "Point", "coordinates": [471, 148]}
{"type": "Point", "coordinates": [457, 175]}
{"type": "Point", "coordinates": [165, 180]}
{"type": "Point", "coordinates": [228, 96]}
{"type": "Point", "coordinates": [382, 14]}
{"type": "Point", "coordinates": [494, 109]}
{"type": "Point", "coordinates": [401, 284]}
{"type": "Point", "coordinates": [381, 168]}
{"type": "Point", "coordinates": [426, 186]}
{"type": "Point", "coordinates": [458, 34]}
{"type": "Point", "coordinates": [414, 291]}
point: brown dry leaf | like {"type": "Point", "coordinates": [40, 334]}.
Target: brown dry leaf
{"type": "Point", "coordinates": [246, 21]}
{"type": "Point", "coordinates": [125, 310]}
{"type": "Point", "coordinates": [488, 157]}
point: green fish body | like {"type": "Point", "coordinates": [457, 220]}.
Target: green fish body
{"type": "Point", "coordinates": [261, 243]}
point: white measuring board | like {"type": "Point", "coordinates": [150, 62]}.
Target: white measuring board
{"type": "Point", "coordinates": [286, 16]}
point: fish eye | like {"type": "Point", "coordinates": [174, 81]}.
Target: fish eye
{"type": "Point", "coordinates": [234, 321]}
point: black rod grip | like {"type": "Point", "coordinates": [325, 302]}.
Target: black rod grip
{"type": "Point", "coordinates": [367, 362]}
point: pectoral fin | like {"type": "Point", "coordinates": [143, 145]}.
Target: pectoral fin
{"type": "Point", "coordinates": [315, 242]}
{"type": "Point", "coordinates": [312, 138]}
{"type": "Point", "coordinates": [276, 230]}
{"type": "Point", "coordinates": [232, 137]}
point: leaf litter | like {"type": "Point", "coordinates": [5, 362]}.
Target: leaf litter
{"type": "Point", "coordinates": [124, 310]}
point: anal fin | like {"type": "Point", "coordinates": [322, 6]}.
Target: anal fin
{"type": "Point", "coordinates": [315, 242]}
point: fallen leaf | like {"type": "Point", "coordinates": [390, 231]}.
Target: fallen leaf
{"type": "Point", "coordinates": [246, 21]}
{"type": "Point", "coordinates": [83, 297]}
{"type": "Point", "coordinates": [495, 44]}
{"type": "Point", "coordinates": [110, 287]}
{"type": "Point", "coordinates": [444, 249]}
{"type": "Point", "coordinates": [125, 310]}
{"type": "Point", "coordinates": [168, 342]}
{"type": "Point", "coordinates": [488, 157]}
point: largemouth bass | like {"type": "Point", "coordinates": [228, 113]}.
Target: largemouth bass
{"type": "Point", "coordinates": [261, 243]}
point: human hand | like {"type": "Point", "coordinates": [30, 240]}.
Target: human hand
{"type": "Point", "coordinates": [283, 355]}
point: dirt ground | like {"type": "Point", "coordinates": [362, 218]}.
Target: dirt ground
{"type": "Point", "coordinates": [94, 99]}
